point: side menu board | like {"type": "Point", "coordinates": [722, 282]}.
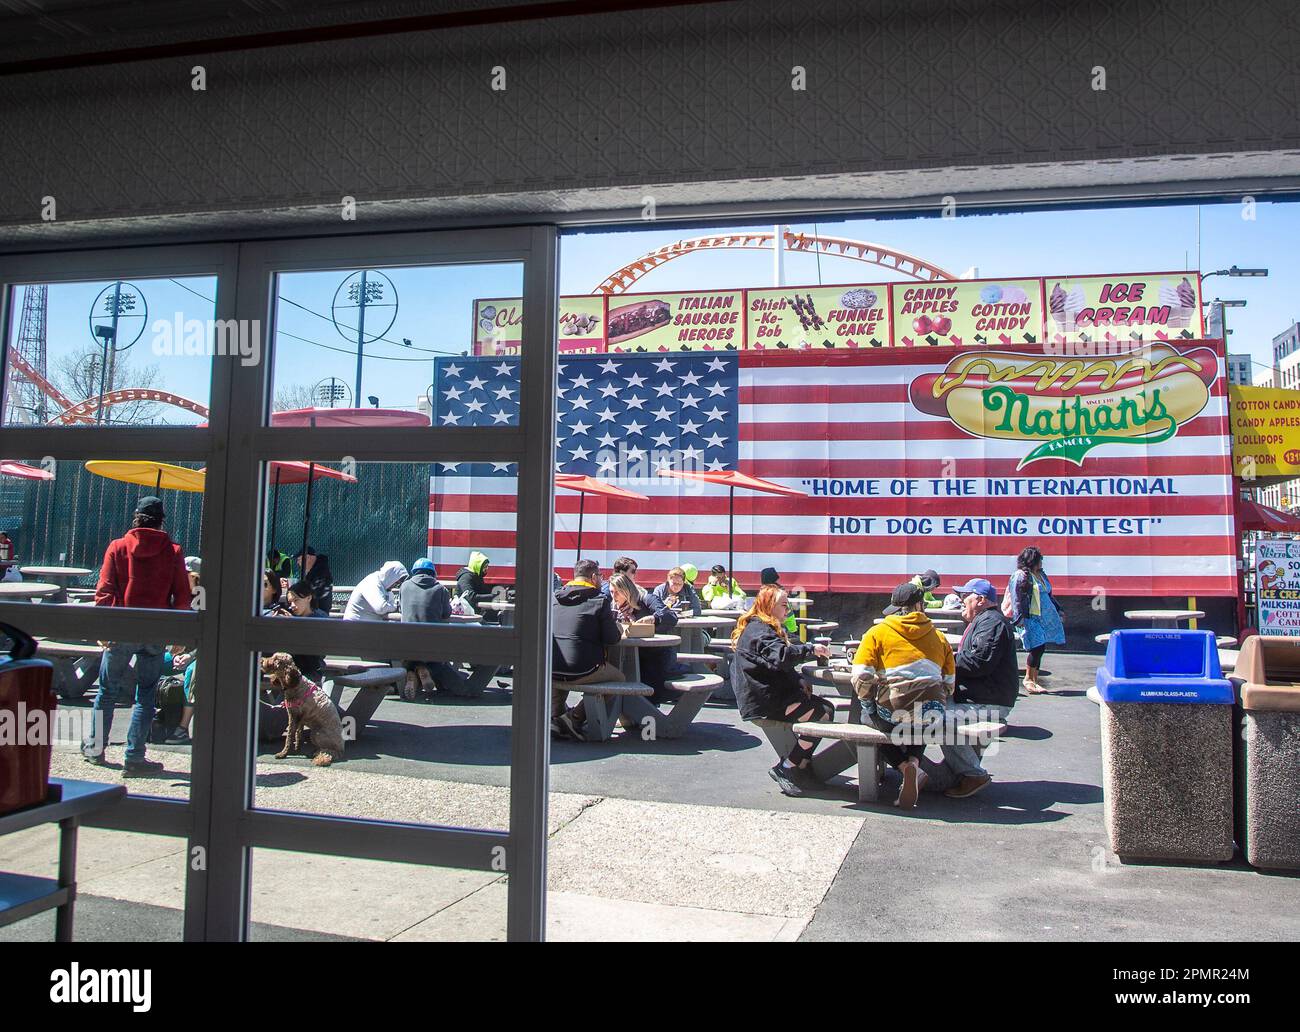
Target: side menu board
{"type": "Point", "coordinates": [676, 321]}
{"type": "Point", "coordinates": [849, 316]}
{"type": "Point", "coordinates": [969, 313]}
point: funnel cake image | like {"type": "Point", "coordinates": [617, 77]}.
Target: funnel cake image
{"type": "Point", "coordinates": [1181, 301]}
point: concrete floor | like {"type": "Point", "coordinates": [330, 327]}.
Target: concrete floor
{"type": "Point", "coordinates": [690, 839]}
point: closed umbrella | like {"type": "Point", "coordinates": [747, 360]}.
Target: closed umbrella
{"type": "Point", "coordinates": [732, 479]}
{"type": "Point", "coordinates": [586, 485]}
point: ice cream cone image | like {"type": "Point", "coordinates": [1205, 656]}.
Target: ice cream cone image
{"type": "Point", "coordinates": [1075, 302]}
{"type": "Point", "coordinates": [1056, 304]}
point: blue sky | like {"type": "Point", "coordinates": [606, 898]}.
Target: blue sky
{"type": "Point", "coordinates": [434, 310]}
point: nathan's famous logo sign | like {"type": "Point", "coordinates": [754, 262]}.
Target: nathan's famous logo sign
{"type": "Point", "coordinates": [1065, 407]}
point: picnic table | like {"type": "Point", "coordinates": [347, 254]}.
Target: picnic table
{"type": "Point", "coordinates": [76, 665]}
{"type": "Point", "coordinates": [60, 575]}
{"type": "Point", "coordinates": [692, 630]}
{"type": "Point", "coordinates": [506, 609]}
{"type": "Point", "coordinates": [1165, 618]}
{"type": "Point", "coordinates": [14, 590]}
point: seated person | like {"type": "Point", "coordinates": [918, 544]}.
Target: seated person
{"type": "Point", "coordinates": [717, 595]}
{"type": "Point", "coordinates": [472, 585]}
{"type": "Point", "coordinates": [927, 581]}
{"type": "Point", "coordinates": [988, 680]}
{"type": "Point", "coordinates": [765, 675]}
{"type": "Point", "coordinates": [677, 595]}
{"type": "Point", "coordinates": [300, 600]}
{"type": "Point", "coordinates": [903, 672]}
{"type": "Point", "coordinates": [270, 593]}
{"type": "Point", "coordinates": [316, 571]}
{"type": "Point", "coordinates": [623, 564]}
{"type": "Point", "coordinates": [770, 576]}
{"type": "Point", "coordinates": [425, 599]}
{"type": "Point", "coordinates": [183, 665]}
{"type": "Point", "coordinates": [376, 596]}
{"type": "Point", "coordinates": [582, 628]}
{"type": "Point", "coordinates": [631, 603]}
{"type": "Point", "coordinates": [279, 564]}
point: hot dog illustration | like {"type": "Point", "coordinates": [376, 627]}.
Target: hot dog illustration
{"type": "Point", "coordinates": [635, 319]}
{"type": "Point", "coordinates": [1067, 406]}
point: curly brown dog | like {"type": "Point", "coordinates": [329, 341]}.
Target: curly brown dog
{"type": "Point", "coordinates": [308, 706]}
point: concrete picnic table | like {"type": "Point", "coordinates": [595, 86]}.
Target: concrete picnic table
{"type": "Point", "coordinates": [692, 629]}
{"type": "Point", "coordinates": [13, 590]}
{"type": "Point", "coordinates": [60, 575]}
{"type": "Point", "coordinates": [1164, 618]}
{"type": "Point", "coordinates": [506, 609]}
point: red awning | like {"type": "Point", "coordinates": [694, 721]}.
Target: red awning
{"type": "Point", "coordinates": [590, 485]}
{"type": "Point", "coordinates": [1261, 517]}
{"type": "Point", "coordinates": [731, 478]}
{"type": "Point", "coordinates": [24, 471]}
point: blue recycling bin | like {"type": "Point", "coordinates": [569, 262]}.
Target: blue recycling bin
{"type": "Point", "coordinates": [1166, 746]}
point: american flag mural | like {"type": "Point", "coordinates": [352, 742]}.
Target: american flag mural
{"type": "Point", "coordinates": [1118, 467]}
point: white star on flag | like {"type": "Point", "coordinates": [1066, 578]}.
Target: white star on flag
{"type": "Point", "coordinates": [607, 440]}
{"type": "Point", "coordinates": [609, 366]}
{"type": "Point", "coordinates": [501, 467]}
{"type": "Point", "coordinates": [715, 413]}
{"type": "Point", "coordinates": [452, 370]}
{"type": "Point", "coordinates": [662, 413]}
{"type": "Point", "coordinates": [500, 417]}
{"type": "Point", "coordinates": [474, 406]}
{"type": "Point", "coordinates": [717, 391]}
{"type": "Point", "coordinates": [607, 465]}
{"type": "Point", "coordinates": [691, 454]}
{"type": "Point", "coordinates": [714, 441]}
{"type": "Point", "coordinates": [690, 427]}
{"type": "Point", "coordinates": [581, 427]}
{"type": "Point", "coordinates": [606, 415]}
{"type": "Point", "coordinates": [690, 379]}
{"type": "Point", "coordinates": [664, 365]}
{"type": "Point", "coordinates": [717, 366]}
{"type": "Point", "coordinates": [580, 403]}
{"type": "Point", "coordinates": [579, 454]}
{"type": "Point", "coordinates": [690, 401]}
{"type": "Point", "coordinates": [635, 380]}
{"type": "Point", "coordinates": [634, 427]}
{"type": "Point", "coordinates": [714, 466]}
{"type": "Point", "coordinates": [636, 401]}
{"type": "Point", "coordinates": [609, 391]}
{"type": "Point", "coordinates": [450, 467]}
{"type": "Point", "coordinates": [476, 384]}
{"type": "Point", "coordinates": [502, 370]}
{"type": "Point", "coordinates": [580, 381]}
{"type": "Point", "coordinates": [662, 440]}
{"type": "Point", "coordinates": [450, 419]}
{"type": "Point", "coordinates": [503, 393]}
{"type": "Point", "coordinates": [663, 390]}
{"type": "Point", "coordinates": [635, 454]}
{"type": "Point", "coordinates": [453, 394]}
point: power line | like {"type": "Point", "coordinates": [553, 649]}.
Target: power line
{"type": "Point", "coordinates": [346, 351]}
{"type": "Point", "coordinates": [332, 322]}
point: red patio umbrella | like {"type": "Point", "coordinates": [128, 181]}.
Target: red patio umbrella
{"type": "Point", "coordinates": [24, 471]}
{"type": "Point", "coordinates": [586, 485]}
{"type": "Point", "coordinates": [732, 479]}
{"type": "Point", "coordinates": [1254, 516]}
{"type": "Point", "coordinates": [321, 417]}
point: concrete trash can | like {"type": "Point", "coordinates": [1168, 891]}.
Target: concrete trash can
{"type": "Point", "coordinates": [1166, 747]}
{"type": "Point", "coordinates": [1268, 752]}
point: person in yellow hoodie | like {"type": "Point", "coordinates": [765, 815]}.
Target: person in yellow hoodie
{"type": "Point", "coordinates": [904, 673]}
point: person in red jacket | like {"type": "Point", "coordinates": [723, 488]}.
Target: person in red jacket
{"type": "Point", "coordinates": [143, 569]}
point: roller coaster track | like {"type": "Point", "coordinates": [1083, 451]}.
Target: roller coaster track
{"type": "Point", "coordinates": [874, 254]}
{"type": "Point", "coordinates": [83, 412]}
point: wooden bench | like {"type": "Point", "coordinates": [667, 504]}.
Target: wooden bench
{"type": "Point", "coordinates": [867, 740]}
{"type": "Point", "coordinates": [372, 685]}
{"type": "Point", "coordinates": [604, 703]}
{"type": "Point", "coordinates": [76, 666]}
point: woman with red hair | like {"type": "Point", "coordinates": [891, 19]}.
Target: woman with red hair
{"type": "Point", "coordinates": [765, 675]}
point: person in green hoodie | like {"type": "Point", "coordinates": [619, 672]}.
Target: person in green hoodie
{"type": "Point", "coordinates": [471, 583]}
{"type": "Point", "coordinates": [927, 581]}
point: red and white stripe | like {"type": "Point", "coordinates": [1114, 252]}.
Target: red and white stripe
{"type": "Point", "coordinates": [846, 415]}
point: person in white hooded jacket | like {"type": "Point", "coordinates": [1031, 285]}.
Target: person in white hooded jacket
{"type": "Point", "coordinates": [376, 596]}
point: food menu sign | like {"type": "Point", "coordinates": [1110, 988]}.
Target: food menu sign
{"type": "Point", "coordinates": [847, 316]}
{"type": "Point", "coordinates": [498, 324]}
{"type": "Point", "coordinates": [1277, 585]}
{"type": "Point", "coordinates": [968, 313]}
{"type": "Point", "coordinates": [1124, 308]}
{"type": "Point", "coordinates": [1265, 432]}
{"type": "Point", "coordinates": [676, 321]}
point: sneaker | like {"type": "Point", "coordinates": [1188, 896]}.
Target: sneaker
{"type": "Point", "coordinates": [968, 786]}
{"type": "Point", "coordinates": [570, 727]}
{"type": "Point", "coordinates": [426, 679]}
{"type": "Point", "coordinates": [805, 778]}
{"type": "Point", "coordinates": [141, 769]}
{"type": "Point", "coordinates": [177, 736]}
{"type": "Point", "coordinates": [97, 760]}
{"type": "Point", "coordinates": [912, 782]}
{"type": "Point", "coordinates": [782, 775]}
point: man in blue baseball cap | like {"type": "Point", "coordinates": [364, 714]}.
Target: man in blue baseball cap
{"type": "Point", "coordinates": [988, 679]}
{"type": "Point", "coordinates": [425, 599]}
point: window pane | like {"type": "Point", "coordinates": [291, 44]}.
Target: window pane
{"type": "Point", "coordinates": [126, 352]}
{"type": "Point", "coordinates": [369, 338]}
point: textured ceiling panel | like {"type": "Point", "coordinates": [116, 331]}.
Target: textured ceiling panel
{"type": "Point", "coordinates": [664, 101]}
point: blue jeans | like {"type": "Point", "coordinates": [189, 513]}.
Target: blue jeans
{"type": "Point", "coordinates": [119, 683]}
{"type": "Point", "coordinates": [964, 759]}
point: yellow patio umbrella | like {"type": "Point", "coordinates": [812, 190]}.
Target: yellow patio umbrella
{"type": "Point", "coordinates": [157, 475]}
